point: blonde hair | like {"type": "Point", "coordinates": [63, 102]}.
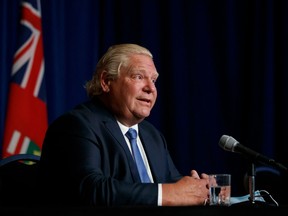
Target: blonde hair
{"type": "Point", "coordinates": [111, 62]}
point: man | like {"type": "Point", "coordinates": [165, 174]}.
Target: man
{"type": "Point", "coordinates": [86, 156]}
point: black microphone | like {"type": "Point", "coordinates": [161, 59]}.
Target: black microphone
{"type": "Point", "coordinates": [228, 143]}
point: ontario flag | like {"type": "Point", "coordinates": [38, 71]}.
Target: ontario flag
{"type": "Point", "coordinates": [26, 119]}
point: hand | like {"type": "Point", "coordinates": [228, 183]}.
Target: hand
{"type": "Point", "coordinates": [194, 174]}
{"type": "Point", "coordinates": [188, 191]}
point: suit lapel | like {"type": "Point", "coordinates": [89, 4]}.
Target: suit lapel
{"type": "Point", "coordinates": [151, 151]}
{"type": "Point", "coordinates": [115, 131]}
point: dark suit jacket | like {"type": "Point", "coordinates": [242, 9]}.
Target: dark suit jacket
{"type": "Point", "coordinates": [85, 161]}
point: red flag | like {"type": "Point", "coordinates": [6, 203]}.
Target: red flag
{"type": "Point", "coordinates": [26, 120]}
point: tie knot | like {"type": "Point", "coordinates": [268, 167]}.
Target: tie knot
{"type": "Point", "coordinates": [131, 134]}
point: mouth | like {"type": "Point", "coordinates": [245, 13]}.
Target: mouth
{"type": "Point", "coordinates": [146, 101]}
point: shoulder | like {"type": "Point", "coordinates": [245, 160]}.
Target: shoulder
{"type": "Point", "coordinates": [84, 113]}
{"type": "Point", "coordinates": [148, 127]}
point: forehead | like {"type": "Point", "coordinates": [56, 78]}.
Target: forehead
{"type": "Point", "coordinates": [143, 63]}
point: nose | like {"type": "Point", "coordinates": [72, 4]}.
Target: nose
{"type": "Point", "coordinates": [150, 86]}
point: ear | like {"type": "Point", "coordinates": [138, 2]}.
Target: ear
{"type": "Point", "coordinates": [104, 81]}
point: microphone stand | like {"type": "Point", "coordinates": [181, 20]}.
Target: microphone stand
{"type": "Point", "coordinates": [251, 181]}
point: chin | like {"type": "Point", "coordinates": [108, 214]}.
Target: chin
{"type": "Point", "coordinates": [142, 116]}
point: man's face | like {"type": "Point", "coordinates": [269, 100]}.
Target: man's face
{"type": "Point", "coordinates": [133, 94]}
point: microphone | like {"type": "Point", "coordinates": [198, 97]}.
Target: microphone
{"type": "Point", "coordinates": [228, 143]}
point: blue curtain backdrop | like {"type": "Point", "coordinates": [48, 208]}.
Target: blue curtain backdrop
{"type": "Point", "coordinates": [223, 68]}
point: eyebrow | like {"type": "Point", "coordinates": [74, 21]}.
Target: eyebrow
{"type": "Point", "coordinates": [142, 70]}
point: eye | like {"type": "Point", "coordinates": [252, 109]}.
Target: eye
{"type": "Point", "coordinates": [137, 76]}
{"type": "Point", "coordinates": [154, 80]}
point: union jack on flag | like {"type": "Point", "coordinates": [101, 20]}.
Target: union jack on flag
{"type": "Point", "coordinates": [26, 120]}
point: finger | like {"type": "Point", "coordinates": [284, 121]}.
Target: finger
{"type": "Point", "coordinates": [204, 176]}
{"type": "Point", "coordinates": [206, 201]}
{"type": "Point", "coordinates": [194, 174]}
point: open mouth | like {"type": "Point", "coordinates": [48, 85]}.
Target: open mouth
{"type": "Point", "coordinates": [147, 101]}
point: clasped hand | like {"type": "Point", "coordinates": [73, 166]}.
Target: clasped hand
{"type": "Point", "coordinates": [188, 191]}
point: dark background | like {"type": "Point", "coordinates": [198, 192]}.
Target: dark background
{"type": "Point", "coordinates": [223, 70]}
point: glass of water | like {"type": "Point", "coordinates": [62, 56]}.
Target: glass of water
{"type": "Point", "coordinates": [219, 189]}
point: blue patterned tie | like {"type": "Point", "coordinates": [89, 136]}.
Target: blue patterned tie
{"type": "Point", "coordinates": [132, 136]}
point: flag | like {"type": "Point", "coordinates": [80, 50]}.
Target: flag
{"type": "Point", "coordinates": [26, 117]}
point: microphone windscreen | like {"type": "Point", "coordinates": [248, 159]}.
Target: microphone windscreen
{"type": "Point", "coordinates": [228, 143]}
